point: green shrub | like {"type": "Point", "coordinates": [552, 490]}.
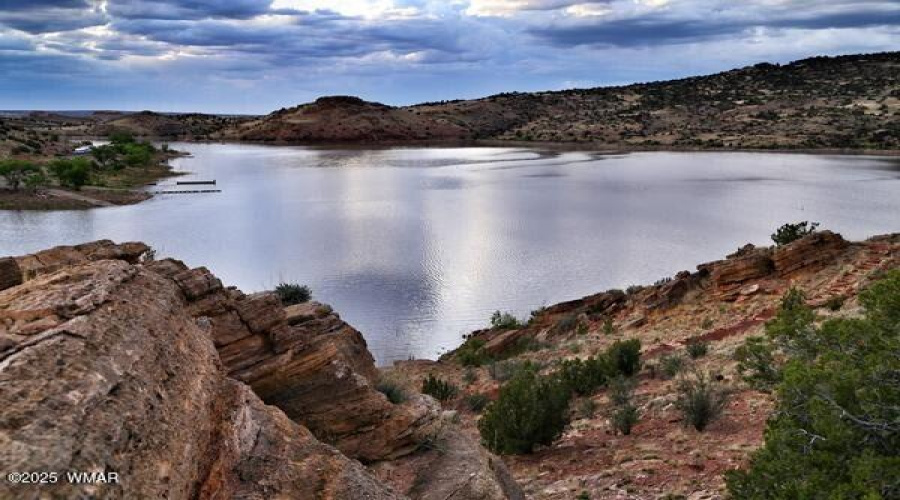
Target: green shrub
{"type": "Point", "coordinates": [470, 376]}
{"type": "Point", "coordinates": [121, 137]}
{"type": "Point", "coordinates": [789, 233]}
{"type": "Point", "coordinates": [835, 432]}
{"type": "Point", "coordinates": [504, 321]}
{"type": "Point", "coordinates": [472, 353]}
{"type": "Point", "coordinates": [756, 363]}
{"type": "Point", "coordinates": [670, 365]}
{"type": "Point", "coordinates": [529, 411]}
{"type": "Point", "coordinates": [501, 371]}
{"type": "Point", "coordinates": [697, 348]}
{"type": "Point", "coordinates": [392, 389]}
{"type": "Point", "coordinates": [439, 389]}
{"type": "Point", "coordinates": [36, 180]}
{"type": "Point", "coordinates": [71, 172]}
{"type": "Point", "coordinates": [625, 357]}
{"type": "Point", "coordinates": [292, 293]}
{"type": "Point", "coordinates": [624, 414]}
{"type": "Point", "coordinates": [138, 154]}
{"type": "Point", "coordinates": [586, 408]}
{"type": "Point", "coordinates": [791, 329]}
{"type": "Point", "coordinates": [836, 303]}
{"type": "Point", "coordinates": [477, 402]}
{"type": "Point", "coordinates": [583, 377]}
{"type": "Point", "coordinates": [18, 172]}
{"type": "Point", "coordinates": [608, 326]}
{"type": "Point", "coordinates": [700, 400]}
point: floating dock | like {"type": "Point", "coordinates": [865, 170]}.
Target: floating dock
{"type": "Point", "coordinates": [196, 183]}
{"type": "Point", "coordinates": [190, 191]}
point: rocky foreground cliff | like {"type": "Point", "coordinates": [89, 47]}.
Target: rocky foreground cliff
{"type": "Point", "coordinates": [111, 362]}
{"type": "Point", "coordinates": [114, 362]}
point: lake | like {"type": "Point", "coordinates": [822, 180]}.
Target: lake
{"type": "Point", "coordinates": [417, 246]}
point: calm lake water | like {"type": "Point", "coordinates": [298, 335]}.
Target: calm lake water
{"type": "Point", "coordinates": [416, 247]}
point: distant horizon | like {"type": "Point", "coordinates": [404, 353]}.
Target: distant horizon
{"type": "Point", "coordinates": [448, 99]}
{"type": "Point", "coordinates": [254, 56]}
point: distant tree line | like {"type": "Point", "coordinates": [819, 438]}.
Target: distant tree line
{"type": "Point", "coordinates": [123, 151]}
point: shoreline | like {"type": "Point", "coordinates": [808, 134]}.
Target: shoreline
{"type": "Point", "coordinates": [129, 189]}
{"type": "Point", "coordinates": [125, 187]}
{"type": "Point", "coordinates": [562, 146]}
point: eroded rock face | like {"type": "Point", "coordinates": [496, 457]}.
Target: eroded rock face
{"type": "Point", "coordinates": [748, 264]}
{"type": "Point", "coordinates": [104, 369]}
{"type": "Point", "coordinates": [53, 259]}
{"type": "Point", "coordinates": [309, 363]}
{"type": "Point", "coordinates": [189, 389]}
{"type": "Point", "coordinates": [810, 252]}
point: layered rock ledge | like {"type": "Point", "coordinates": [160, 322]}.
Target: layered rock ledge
{"type": "Point", "coordinates": [111, 361]}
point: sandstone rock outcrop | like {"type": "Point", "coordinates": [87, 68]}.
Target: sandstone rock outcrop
{"type": "Point", "coordinates": [186, 388]}
{"type": "Point", "coordinates": [103, 369]}
{"type": "Point", "coordinates": [810, 252]}
{"type": "Point", "coordinates": [312, 365]}
{"type": "Point", "coordinates": [747, 264]}
{"type": "Point", "coordinates": [50, 260]}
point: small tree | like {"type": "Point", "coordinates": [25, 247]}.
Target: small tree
{"type": "Point", "coordinates": [791, 329]}
{"type": "Point", "coordinates": [700, 400]}
{"type": "Point", "coordinates": [757, 364]}
{"type": "Point", "coordinates": [789, 233]}
{"type": "Point", "coordinates": [473, 353]}
{"type": "Point", "coordinates": [583, 377]}
{"type": "Point", "coordinates": [71, 172]}
{"type": "Point", "coordinates": [529, 411]}
{"type": "Point", "coordinates": [625, 357]}
{"type": "Point", "coordinates": [121, 137]}
{"type": "Point", "coordinates": [36, 180]}
{"type": "Point", "coordinates": [107, 157]}
{"type": "Point", "coordinates": [836, 427]}
{"type": "Point", "coordinates": [624, 414]}
{"type": "Point", "coordinates": [17, 172]}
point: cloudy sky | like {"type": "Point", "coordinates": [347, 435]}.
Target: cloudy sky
{"type": "Point", "coordinates": [250, 56]}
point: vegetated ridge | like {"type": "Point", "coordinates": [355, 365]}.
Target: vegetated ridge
{"type": "Point", "coordinates": [850, 102]}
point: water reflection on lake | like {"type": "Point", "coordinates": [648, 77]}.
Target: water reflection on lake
{"type": "Point", "coordinates": [417, 246]}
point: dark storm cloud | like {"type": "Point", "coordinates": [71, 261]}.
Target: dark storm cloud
{"type": "Point", "coordinates": [311, 35]}
{"type": "Point", "coordinates": [51, 19]}
{"type": "Point", "coordinates": [10, 5]}
{"type": "Point", "coordinates": [635, 32]}
{"type": "Point", "coordinates": [187, 9]}
{"type": "Point", "coordinates": [705, 22]}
